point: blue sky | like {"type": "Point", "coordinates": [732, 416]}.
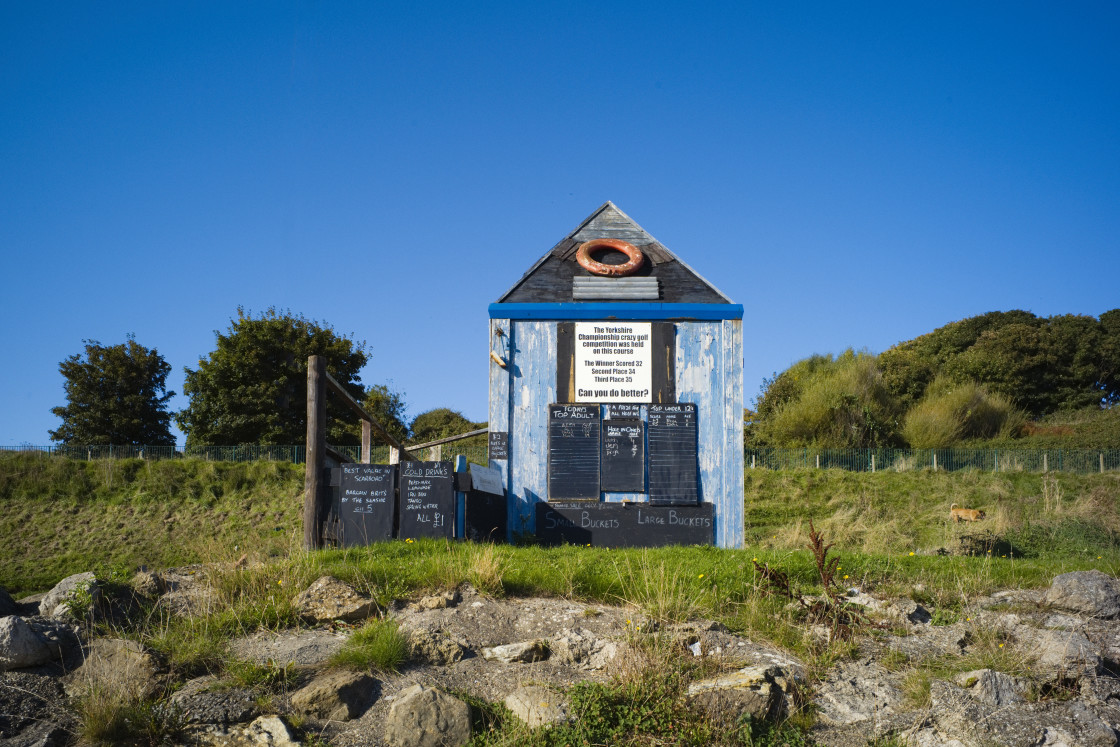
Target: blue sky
{"type": "Point", "coordinates": [855, 174]}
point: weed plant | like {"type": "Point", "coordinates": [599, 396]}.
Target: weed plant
{"type": "Point", "coordinates": [379, 644]}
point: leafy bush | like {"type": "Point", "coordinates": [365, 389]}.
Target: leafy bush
{"type": "Point", "coordinates": [951, 412]}
{"type": "Point", "coordinates": [832, 403]}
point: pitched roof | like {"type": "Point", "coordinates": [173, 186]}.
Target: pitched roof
{"type": "Point", "coordinates": [557, 277]}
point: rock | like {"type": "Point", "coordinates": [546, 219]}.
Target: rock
{"type": "Point", "coordinates": [524, 652]}
{"type": "Point", "coordinates": [8, 606]}
{"type": "Point", "coordinates": [582, 649]}
{"type": "Point", "coordinates": [72, 588]}
{"type": "Point", "coordinates": [537, 706]}
{"type": "Point", "coordinates": [118, 666]}
{"type": "Point", "coordinates": [425, 717]}
{"type": "Point", "coordinates": [203, 701]}
{"type": "Point", "coordinates": [330, 599]}
{"type": "Point", "coordinates": [33, 710]}
{"type": "Point", "coordinates": [756, 691]}
{"type": "Point", "coordinates": [858, 691]}
{"type": "Point", "coordinates": [266, 731]}
{"type": "Point", "coordinates": [336, 696]}
{"type": "Point", "coordinates": [20, 645]}
{"type": "Point", "coordinates": [1061, 652]}
{"type": "Point", "coordinates": [311, 647]}
{"type": "Point", "coordinates": [1090, 593]}
{"type": "Point", "coordinates": [148, 584]}
{"type": "Point", "coordinates": [439, 601]}
{"type": "Point", "coordinates": [434, 647]}
{"type": "Point", "coordinates": [958, 716]}
{"type": "Point", "coordinates": [993, 688]}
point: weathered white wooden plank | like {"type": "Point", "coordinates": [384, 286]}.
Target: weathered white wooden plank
{"type": "Point", "coordinates": [533, 387]}
{"type": "Point", "coordinates": [709, 373]}
{"type": "Point", "coordinates": [729, 523]}
{"type": "Point", "coordinates": [499, 391]}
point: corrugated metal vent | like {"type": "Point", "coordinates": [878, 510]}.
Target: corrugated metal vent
{"type": "Point", "coordinates": [626, 289]}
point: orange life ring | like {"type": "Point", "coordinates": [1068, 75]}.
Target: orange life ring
{"type": "Point", "coordinates": [629, 267]}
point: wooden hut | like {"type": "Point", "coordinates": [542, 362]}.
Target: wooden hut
{"type": "Point", "coordinates": [616, 394]}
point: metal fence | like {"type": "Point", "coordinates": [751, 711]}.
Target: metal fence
{"type": "Point", "coordinates": [902, 460]}
{"type": "Point", "coordinates": [475, 452]}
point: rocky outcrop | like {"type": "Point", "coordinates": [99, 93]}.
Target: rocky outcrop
{"type": "Point", "coordinates": [20, 645]}
{"type": "Point", "coordinates": [335, 696]}
{"type": "Point", "coordinates": [537, 706]}
{"type": "Point", "coordinates": [435, 647]}
{"type": "Point", "coordinates": [69, 593]}
{"type": "Point", "coordinates": [330, 599]}
{"type": "Point", "coordinates": [512, 653]}
{"type": "Point", "coordinates": [761, 692]}
{"type": "Point", "coordinates": [8, 606]}
{"type": "Point", "coordinates": [426, 717]}
{"type": "Point", "coordinates": [206, 700]}
{"type": "Point", "coordinates": [1088, 593]}
{"type": "Point", "coordinates": [266, 731]}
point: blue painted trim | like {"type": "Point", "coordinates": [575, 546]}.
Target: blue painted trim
{"type": "Point", "coordinates": [628, 311]}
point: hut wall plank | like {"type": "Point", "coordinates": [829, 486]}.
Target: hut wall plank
{"type": "Point", "coordinates": [729, 520]}
{"type": "Point", "coordinates": [707, 372]}
{"type": "Point", "coordinates": [532, 389]}
{"type": "Point", "coordinates": [499, 393]}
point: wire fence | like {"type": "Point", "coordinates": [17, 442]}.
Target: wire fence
{"type": "Point", "coordinates": [474, 451]}
{"type": "Point", "coordinates": [904, 460]}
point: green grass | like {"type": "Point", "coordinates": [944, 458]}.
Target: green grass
{"type": "Point", "coordinates": [61, 516]}
{"type": "Point", "coordinates": [378, 644]}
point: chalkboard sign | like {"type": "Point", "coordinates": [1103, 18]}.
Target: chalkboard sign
{"type": "Point", "coordinates": [498, 444]}
{"type": "Point", "coordinates": [625, 525]}
{"type": "Point", "coordinates": [673, 477]}
{"type": "Point", "coordinates": [427, 500]}
{"type": "Point", "coordinates": [622, 410]}
{"type": "Point", "coordinates": [366, 503]}
{"type": "Point", "coordinates": [573, 452]}
{"type": "Point", "coordinates": [624, 456]}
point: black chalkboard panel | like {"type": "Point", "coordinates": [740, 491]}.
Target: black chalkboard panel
{"type": "Point", "coordinates": [622, 410]}
{"type": "Point", "coordinates": [673, 474]}
{"type": "Point", "coordinates": [573, 452]}
{"type": "Point", "coordinates": [498, 445]}
{"type": "Point", "coordinates": [624, 456]}
{"type": "Point", "coordinates": [624, 524]}
{"type": "Point", "coordinates": [366, 503]}
{"type": "Point", "coordinates": [427, 500]}
{"type": "Point", "coordinates": [485, 516]}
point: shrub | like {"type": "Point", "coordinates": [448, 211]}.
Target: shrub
{"type": "Point", "coordinates": [952, 412]}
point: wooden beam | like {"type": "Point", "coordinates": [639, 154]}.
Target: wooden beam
{"type": "Point", "coordinates": [352, 403]}
{"type": "Point", "coordinates": [449, 439]}
{"type": "Point", "coordinates": [367, 438]}
{"type": "Point", "coordinates": [316, 450]}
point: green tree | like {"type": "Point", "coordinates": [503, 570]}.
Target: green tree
{"type": "Point", "coordinates": [441, 423]}
{"type": "Point", "coordinates": [115, 395]}
{"type": "Point", "coordinates": [253, 386]}
{"type": "Point", "coordinates": [387, 408]}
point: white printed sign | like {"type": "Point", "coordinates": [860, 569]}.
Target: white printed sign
{"type": "Point", "coordinates": [613, 362]}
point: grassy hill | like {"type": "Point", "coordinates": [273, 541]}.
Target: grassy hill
{"type": "Point", "coordinates": [60, 516]}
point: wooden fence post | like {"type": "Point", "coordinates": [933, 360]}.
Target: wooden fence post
{"type": "Point", "coordinates": [316, 450]}
{"type": "Point", "coordinates": [367, 442]}
{"type": "Point", "coordinates": [1045, 466]}
{"type": "Point", "coordinates": [394, 455]}
{"type": "Point", "coordinates": [872, 464]}
{"type": "Point", "coordinates": [1102, 462]}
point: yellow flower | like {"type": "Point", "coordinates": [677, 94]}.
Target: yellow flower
{"type": "Point", "coordinates": [1001, 645]}
{"type": "Point", "coordinates": [845, 576]}
{"type": "Point", "coordinates": [1098, 557]}
{"type": "Point", "coordinates": [911, 554]}
{"type": "Point", "coordinates": [755, 559]}
{"type": "Point", "coordinates": [279, 582]}
{"type": "Point", "coordinates": [700, 576]}
{"type": "Point", "coordinates": [839, 567]}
